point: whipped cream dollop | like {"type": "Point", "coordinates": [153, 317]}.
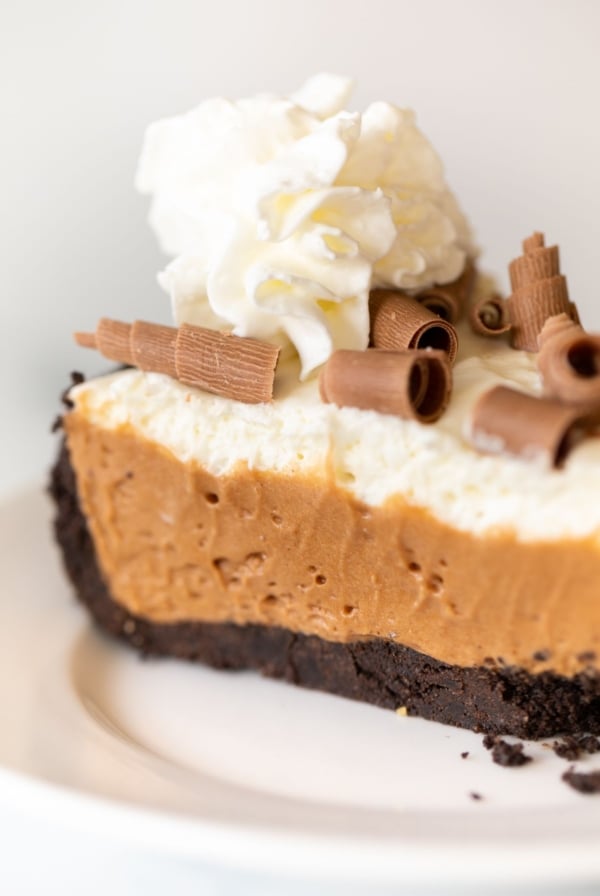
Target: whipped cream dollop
{"type": "Point", "coordinates": [284, 212]}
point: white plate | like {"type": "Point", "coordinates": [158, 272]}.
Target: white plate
{"type": "Point", "coordinates": [256, 774]}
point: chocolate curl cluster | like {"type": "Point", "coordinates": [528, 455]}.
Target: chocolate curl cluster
{"type": "Point", "coordinates": [506, 421]}
{"type": "Point", "coordinates": [489, 316]}
{"type": "Point", "coordinates": [399, 321]}
{"type": "Point", "coordinates": [569, 361]}
{"type": "Point", "coordinates": [539, 291]}
{"type": "Point", "coordinates": [415, 385]}
{"type": "Point", "coordinates": [231, 366]}
{"type": "Point", "coordinates": [449, 301]}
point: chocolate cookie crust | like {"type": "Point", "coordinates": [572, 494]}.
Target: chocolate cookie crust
{"type": "Point", "coordinates": [498, 700]}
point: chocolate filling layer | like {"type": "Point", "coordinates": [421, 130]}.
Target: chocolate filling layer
{"type": "Point", "coordinates": [495, 699]}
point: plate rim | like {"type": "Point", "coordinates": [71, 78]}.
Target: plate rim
{"type": "Point", "coordinates": [261, 848]}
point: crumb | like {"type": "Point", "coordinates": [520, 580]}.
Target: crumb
{"type": "Point", "coordinates": [489, 740]}
{"type": "Point", "coordinates": [509, 755]}
{"type": "Point", "coordinates": [571, 748]}
{"type": "Point", "coordinates": [464, 755]}
{"type": "Point", "coordinates": [589, 743]}
{"type": "Point", "coordinates": [541, 655]}
{"type": "Point", "coordinates": [582, 782]}
{"type": "Point", "coordinates": [567, 748]}
{"type": "Point", "coordinates": [475, 796]}
{"type": "Point", "coordinates": [402, 711]}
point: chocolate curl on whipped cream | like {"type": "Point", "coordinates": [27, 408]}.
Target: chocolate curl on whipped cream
{"type": "Point", "coordinates": [539, 291]}
{"type": "Point", "coordinates": [569, 361]}
{"type": "Point", "coordinates": [489, 316]}
{"type": "Point", "coordinates": [415, 385]}
{"type": "Point", "coordinates": [231, 366]}
{"type": "Point", "coordinates": [399, 321]}
{"type": "Point", "coordinates": [505, 421]}
{"type": "Point", "coordinates": [450, 300]}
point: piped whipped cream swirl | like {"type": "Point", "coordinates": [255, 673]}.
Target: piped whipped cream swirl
{"type": "Point", "coordinates": [283, 213]}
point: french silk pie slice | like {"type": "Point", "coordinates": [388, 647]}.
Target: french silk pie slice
{"type": "Point", "coordinates": [349, 463]}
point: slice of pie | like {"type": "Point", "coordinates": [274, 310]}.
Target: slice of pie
{"type": "Point", "coordinates": [335, 544]}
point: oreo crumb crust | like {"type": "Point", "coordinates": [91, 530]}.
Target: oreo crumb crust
{"type": "Point", "coordinates": [496, 699]}
{"type": "Point", "coordinates": [583, 782]}
{"type": "Point", "coordinates": [76, 379]}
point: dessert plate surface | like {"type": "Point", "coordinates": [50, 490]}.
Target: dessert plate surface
{"type": "Point", "coordinates": [255, 774]}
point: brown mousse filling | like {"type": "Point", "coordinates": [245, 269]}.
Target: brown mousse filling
{"type": "Point", "coordinates": [177, 544]}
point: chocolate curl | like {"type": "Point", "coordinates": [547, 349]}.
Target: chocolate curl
{"type": "Point", "coordinates": [533, 242]}
{"type": "Point", "coordinates": [538, 264]}
{"type": "Point", "coordinates": [554, 327]}
{"type": "Point", "coordinates": [154, 347]}
{"type": "Point", "coordinates": [505, 421]}
{"type": "Point", "coordinates": [112, 339]}
{"type": "Point", "coordinates": [489, 316]}
{"type": "Point", "coordinates": [569, 361]}
{"type": "Point", "coordinates": [399, 321]}
{"type": "Point", "coordinates": [539, 291]}
{"type": "Point", "coordinates": [442, 302]}
{"type": "Point", "coordinates": [231, 366]}
{"type": "Point", "coordinates": [415, 385]}
{"type": "Point", "coordinates": [450, 300]}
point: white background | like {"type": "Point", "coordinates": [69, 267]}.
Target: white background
{"type": "Point", "coordinates": [507, 91]}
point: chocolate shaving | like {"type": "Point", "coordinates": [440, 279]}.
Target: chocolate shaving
{"type": "Point", "coordinates": [449, 300]}
{"type": "Point", "coordinates": [414, 385]}
{"type": "Point", "coordinates": [539, 291]}
{"type": "Point", "coordinates": [489, 316]}
{"type": "Point", "coordinates": [583, 782]}
{"type": "Point", "coordinates": [399, 321]}
{"type": "Point", "coordinates": [505, 421]}
{"type": "Point", "coordinates": [569, 361]}
{"type": "Point", "coordinates": [231, 366]}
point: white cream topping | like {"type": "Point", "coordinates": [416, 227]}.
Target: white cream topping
{"type": "Point", "coordinates": [373, 456]}
{"type": "Point", "coordinates": [283, 213]}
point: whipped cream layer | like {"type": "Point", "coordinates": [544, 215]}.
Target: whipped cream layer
{"type": "Point", "coordinates": [283, 212]}
{"type": "Point", "coordinates": [373, 456]}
